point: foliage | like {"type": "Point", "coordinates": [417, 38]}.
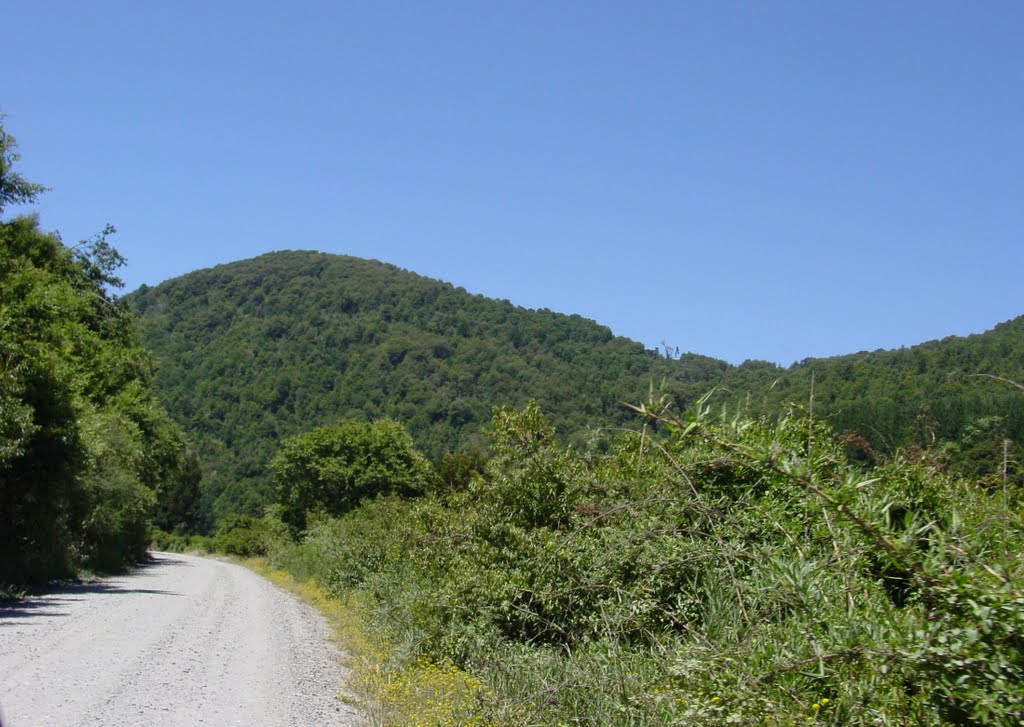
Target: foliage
{"type": "Point", "coordinates": [246, 536]}
{"type": "Point", "coordinates": [698, 570]}
{"type": "Point", "coordinates": [388, 691]}
{"type": "Point", "coordinates": [259, 350]}
{"type": "Point", "coordinates": [163, 541]}
{"type": "Point", "coordinates": [456, 470]}
{"type": "Point", "coordinates": [332, 469]}
{"type": "Point", "coordinates": [86, 452]}
{"type": "Point", "coordinates": [920, 396]}
{"type": "Point", "coordinates": [263, 349]}
{"type": "Point", "coordinates": [14, 189]}
{"type": "Point", "coordinates": [116, 528]}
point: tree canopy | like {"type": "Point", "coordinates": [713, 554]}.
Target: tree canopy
{"type": "Point", "coordinates": [87, 454]}
{"type": "Point", "coordinates": [332, 469]}
{"type": "Point", "coordinates": [14, 189]}
{"type": "Point", "coordinates": [259, 350]}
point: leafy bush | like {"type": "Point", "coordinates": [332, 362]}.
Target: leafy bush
{"type": "Point", "coordinates": [700, 570]}
{"type": "Point", "coordinates": [332, 469]}
{"type": "Point", "coordinates": [246, 536]}
{"type": "Point", "coordinates": [168, 542]}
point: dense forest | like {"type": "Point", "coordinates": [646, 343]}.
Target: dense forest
{"type": "Point", "coordinates": [89, 459]}
{"type": "Point", "coordinates": [935, 392]}
{"type": "Point", "coordinates": [261, 349]}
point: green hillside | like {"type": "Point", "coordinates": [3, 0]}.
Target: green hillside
{"type": "Point", "coordinates": [256, 350]}
{"type": "Point", "coordinates": [260, 349]}
{"type": "Point", "coordinates": [939, 394]}
{"type": "Point", "coordinates": [682, 568]}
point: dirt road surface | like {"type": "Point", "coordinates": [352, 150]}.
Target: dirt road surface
{"type": "Point", "coordinates": [181, 641]}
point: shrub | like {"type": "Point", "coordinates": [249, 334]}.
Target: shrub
{"type": "Point", "coordinates": [702, 570]}
{"type": "Point", "coordinates": [332, 469]}
{"type": "Point", "coordinates": [245, 536]}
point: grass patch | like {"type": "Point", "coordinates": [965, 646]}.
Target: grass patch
{"type": "Point", "coordinates": [388, 690]}
{"type": "Point", "coordinates": [10, 593]}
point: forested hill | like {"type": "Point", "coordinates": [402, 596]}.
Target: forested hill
{"type": "Point", "coordinates": [939, 392]}
{"type": "Point", "coordinates": [256, 350]}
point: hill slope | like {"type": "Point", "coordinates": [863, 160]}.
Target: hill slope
{"type": "Point", "coordinates": [264, 348]}
{"type": "Point", "coordinates": [939, 391]}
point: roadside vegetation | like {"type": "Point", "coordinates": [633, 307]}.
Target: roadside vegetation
{"type": "Point", "coordinates": [701, 569]}
{"type": "Point", "coordinates": [88, 456]}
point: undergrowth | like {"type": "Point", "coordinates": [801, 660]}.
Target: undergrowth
{"type": "Point", "coordinates": [697, 570]}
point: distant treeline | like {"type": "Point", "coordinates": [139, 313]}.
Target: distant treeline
{"type": "Point", "coordinates": [957, 398]}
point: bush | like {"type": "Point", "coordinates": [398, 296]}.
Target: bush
{"type": "Point", "coordinates": [332, 469]}
{"type": "Point", "coordinates": [246, 536]}
{"type": "Point", "coordinates": [698, 571]}
{"type": "Point", "coordinates": [167, 542]}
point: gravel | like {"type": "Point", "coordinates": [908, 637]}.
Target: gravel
{"type": "Point", "coordinates": [180, 641]}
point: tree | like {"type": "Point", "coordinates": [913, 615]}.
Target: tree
{"type": "Point", "coordinates": [86, 451]}
{"type": "Point", "coordinates": [14, 189]}
{"type": "Point", "coordinates": [333, 468]}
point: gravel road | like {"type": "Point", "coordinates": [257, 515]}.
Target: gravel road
{"type": "Point", "coordinates": [180, 641]}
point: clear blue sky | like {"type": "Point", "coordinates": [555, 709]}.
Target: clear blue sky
{"type": "Point", "coordinates": [745, 180]}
